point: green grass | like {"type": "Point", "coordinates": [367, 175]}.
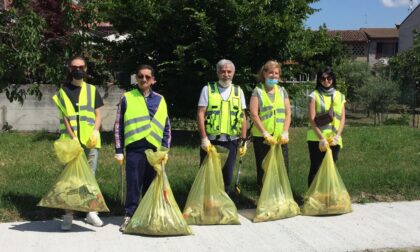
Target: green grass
{"type": "Point", "coordinates": [376, 164]}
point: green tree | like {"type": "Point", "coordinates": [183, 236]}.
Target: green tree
{"type": "Point", "coordinates": [377, 95]}
{"type": "Point", "coordinates": [185, 39]}
{"type": "Point", "coordinates": [38, 37]}
{"type": "Point", "coordinates": [405, 69]}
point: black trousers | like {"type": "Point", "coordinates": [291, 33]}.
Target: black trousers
{"type": "Point", "coordinates": [229, 165]}
{"type": "Point", "coordinates": [317, 156]}
{"type": "Point", "coordinates": [260, 150]}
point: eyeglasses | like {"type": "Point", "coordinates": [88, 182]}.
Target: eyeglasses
{"type": "Point", "coordinates": [77, 67]}
{"type": "Point", "coordinates": [323, 78]}
{"type": "Point", "coordinates": [140, 76]}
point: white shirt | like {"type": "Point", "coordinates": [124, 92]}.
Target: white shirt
{"type": "Point", "coordinates": [225, 93]}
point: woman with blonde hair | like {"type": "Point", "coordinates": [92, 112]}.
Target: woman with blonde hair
{"type": "Point", "coordinates": [271, 114]}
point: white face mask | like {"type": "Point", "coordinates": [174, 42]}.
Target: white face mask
{"type": "Point", "coordinates": [225, 84]}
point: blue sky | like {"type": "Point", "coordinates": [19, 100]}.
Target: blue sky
{"type": "Point", "coordinates": [355, 14]}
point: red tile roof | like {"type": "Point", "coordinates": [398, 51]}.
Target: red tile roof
{"type": "Point", "coordinates": [349, 35]}
{"type": "Point", "coordinates": [381, 32]}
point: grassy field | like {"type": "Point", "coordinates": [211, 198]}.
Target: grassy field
{"type": "Point", "coordinates": [376, 164]}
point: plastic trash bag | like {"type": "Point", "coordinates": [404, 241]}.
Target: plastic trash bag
{"type": "Point", "coordinates": [276, 199]}
{"type": "Point", "coordinates": [158, 212]}
{"type": "Point", "coordinates": [327, 193]}
{"type": "Point", "coordinates": [76, 187]}
{"type": "Point", "coordinates": [207, 202]}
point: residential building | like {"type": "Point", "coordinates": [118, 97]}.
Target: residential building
{"type": "Point", "coordinates": [407, 28]}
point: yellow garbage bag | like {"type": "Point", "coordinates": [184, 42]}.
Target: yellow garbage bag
{"type": "Point", "coordinates": [327, 193]}
{"type": "Point", "coordinates": [207, 202]}
{"type": "Point", "coordinates": [76, 187]}
{"type": "Point", "coordinates": [158, 212]}
{"type": "Point", "coordinates": [276, 199]}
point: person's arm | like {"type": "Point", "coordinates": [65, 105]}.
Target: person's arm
{"type": "Point", "coordinates": [288, 113]}
{"type": "Point", "coordinates": [253, 109]}
{"type": "Point", "coordinates": [97, 119]}
{"type": "Point", "coordinates": [311, 117]}
{"type": "Point", "coordinates": [201, 112]}
{"type": "Point", "coordinates": [342, 121]}
{"type": "Point", "coordinates": [68, 127]}
{"type": "Point", "coordinates": [119, 127]}
{"type": "Point", "coordinates": [166, 140]}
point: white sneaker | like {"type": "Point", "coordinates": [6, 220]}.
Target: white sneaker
{"type": "Point", "coordinates": [125, 223]}
{"type": "Point", "coordinates": [93, 219]}
{"type": "Point", "coordinates": [67, 221]}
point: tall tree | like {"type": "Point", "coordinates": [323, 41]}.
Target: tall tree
{"type": "Point", "coordinates": [38, 37]}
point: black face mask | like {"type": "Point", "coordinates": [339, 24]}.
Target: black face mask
{"type": "Point", "coordinates": [78, 74]}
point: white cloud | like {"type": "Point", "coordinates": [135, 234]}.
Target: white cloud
{"type": "Point", "coordinates": [398, 3]}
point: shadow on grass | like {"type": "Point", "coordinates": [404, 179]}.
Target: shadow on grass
{"type": "Point", "coordinates": [27, 209]}
{"type": "Point", "coordinates": [45, 136]}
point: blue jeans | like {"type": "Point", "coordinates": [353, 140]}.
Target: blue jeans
{"type": "Point", "coordinates": [92, 157]}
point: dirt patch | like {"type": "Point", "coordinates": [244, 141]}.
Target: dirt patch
{"type": "Point", "coordinates": [365, 197]}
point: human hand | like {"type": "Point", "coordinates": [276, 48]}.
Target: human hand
{"type": "Point", "coordinates": [243, 148]}
{"type": "Point", "coordinates": [335, 140]}
{"type": "Point", "coordinates": [93, 139]}
{"type": "Point", "coordinates": [269, 139]}
{"type": "Point", "coordinates": [284, 138]}
{"type": "Point", "coordinates": [323, 145]}
{"type": "Point", "coordinates": [205, 144]}
{"type": "Point", "coordinates": [119, 158]}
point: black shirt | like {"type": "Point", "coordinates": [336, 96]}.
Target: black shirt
{"type": "Point", "coordinates": [73, 93]}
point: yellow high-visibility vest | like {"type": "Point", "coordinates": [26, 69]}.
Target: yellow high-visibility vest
{"type": "Point", "coordinates": [137, 123]}
{"type": "Point", "coordinates": [86, 113]}
{"type": "Point", "coordinates": [223, 117]}
{"type": "Point", "coordinates": [322, 105]}
{"type": "Point", "coordinates": [272, 114]}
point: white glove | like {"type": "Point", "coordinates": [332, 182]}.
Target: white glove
{"type": "Point", "coordinates": [119, 158]}
{"type": "Point", "coordinates": [284, 139]}
{"type": "Point", "coordinates": [323, 145]}
{"type": "Point", "coordinates": [205, 144]}
{"type": "Point", "coordinates": [336, 139]}
{"type": "Point", "coordinates": [269, 139]}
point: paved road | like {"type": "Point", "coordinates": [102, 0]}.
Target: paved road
{"type": "Point", "coordinates": [370, 226]}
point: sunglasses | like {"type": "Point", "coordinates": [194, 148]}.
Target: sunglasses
{"type": "Point", "coordinates": [140, 76]}
{"type": "Point", "coordinates": [326, 78]}
{"type": "Point", "coordinates": [77, 67]}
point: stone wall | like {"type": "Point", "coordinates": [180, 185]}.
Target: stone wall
{"type": "Point", "coordinates": [36, 115]}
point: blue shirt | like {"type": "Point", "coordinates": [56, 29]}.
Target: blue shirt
{"type": "Point", "coordinates": [152, 103]}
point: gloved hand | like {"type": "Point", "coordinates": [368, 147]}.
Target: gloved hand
{"type": "Point", "coordinates": [93, 139]}
{"type": "Point", "coordinates": [119, 158]}
{"type": "Point", "coordinates": [269, 139]}
{"type": "Point", "coordinates": [205, 144]}
{"type": "Point", "coordinates": [323, 145]}
{"type": "Point", "coordinates": [335, 140]}
{"type": "Point", "coordinates": [242, 149]}
{"type": "Point", "coordinates": [284, 138]}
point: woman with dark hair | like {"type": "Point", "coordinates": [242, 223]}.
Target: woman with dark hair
{"type": "Point", "coordinates": [327, 116]}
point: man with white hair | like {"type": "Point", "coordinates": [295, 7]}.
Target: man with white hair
{"type": "Point", "coordinates": [221, 117]}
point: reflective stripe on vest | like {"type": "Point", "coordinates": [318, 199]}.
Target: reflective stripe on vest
{"type": "Point", "coordinates": [223, 117]}
{"type": "Point", "coordinates": [322, 105]}
{"type": "Point", "coordinates": [272, 114]}
{"type": "Point", "coordinates": [137, 123]}
{"type": "Point", "coordinates": [85, 115]}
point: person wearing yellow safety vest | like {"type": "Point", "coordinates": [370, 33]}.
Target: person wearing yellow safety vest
{"type": "Point", "coordinates": [221, 117]}
{"type": "Point", "coordinates": [80, 119]}
{"type": "Point", "coordinates": [325, 99]}
{"type": "Point", "coordinates": [142, 123]}
{"type": "Point", "coordinates": [271, 114]}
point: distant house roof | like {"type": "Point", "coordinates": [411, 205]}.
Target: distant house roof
{"type": "Point", "coordinates": [349, 35]}
{"type": "Point", "coordinates": [377, 33]}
